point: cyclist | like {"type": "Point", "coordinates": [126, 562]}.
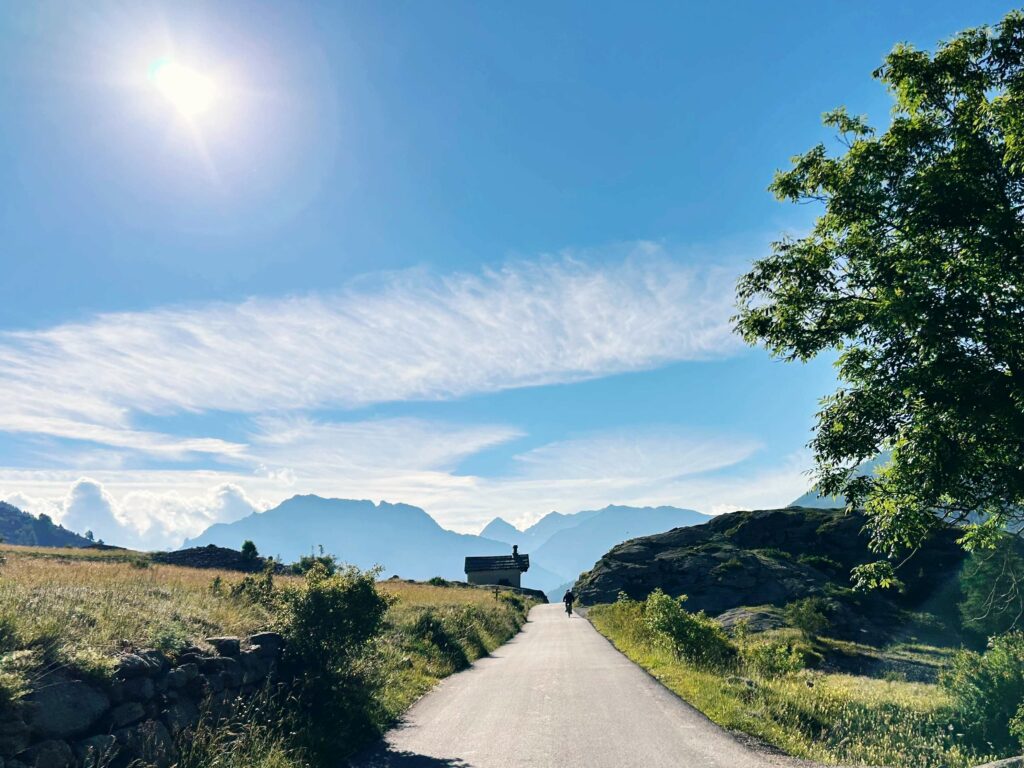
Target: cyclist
{"type": "Point", "coordinates": [568, 598]}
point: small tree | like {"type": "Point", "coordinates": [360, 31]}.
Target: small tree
{"type": "Point", "coordinates": [89, 536]}
{"type": "Point", "coordinates": [809, 615]}
{"type": "Point", "coordinates": [249, 551]}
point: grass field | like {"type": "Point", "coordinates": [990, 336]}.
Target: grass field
{"type": "Point", "coordinates": [827, 717]}
{"type": "Point", "coordinates": [81, 607]}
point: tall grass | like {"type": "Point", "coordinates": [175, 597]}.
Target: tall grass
{"type": "Point", "coordinates": [831, 718]}
{"type": "Point", "coordinates": [80, 607]}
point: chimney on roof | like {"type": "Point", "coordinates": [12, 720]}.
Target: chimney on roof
{"type": "Point", "coordinates": [515, 550]}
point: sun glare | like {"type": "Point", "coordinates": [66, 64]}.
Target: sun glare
{"type": "Point", "coordinates": [190, 92]}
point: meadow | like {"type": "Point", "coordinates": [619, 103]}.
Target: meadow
{"type": "Point", "coordinates": [80, 608]}
{"type": "Point", "coordinates": [829, 717]}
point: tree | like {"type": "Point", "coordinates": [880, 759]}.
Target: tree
{"type": "Point", "coordinates": [809, 615]}
{"type": "Point", "coordinates": [90, 536]}
{"type": "Point", "coordinates": [914, 275]}
{"type": "Point", "coordinates": [992, 584]}
{"type": "Point", "coordinates": [249, 551]}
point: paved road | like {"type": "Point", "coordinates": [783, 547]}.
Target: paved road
{"type": "Point", "coordinates": [558, 695]}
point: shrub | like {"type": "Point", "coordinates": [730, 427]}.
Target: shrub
{"type": "Point", "coordinates": [810, 615]}
{"type": "Point", "coordinates": [249, 551]}
{"type": "Point", "coordinates": [775, 657]}
{"type": "Point", "coordinates": [774, 553]}
{"type": "Point", "coordinates": [437, 581]}
{"type": "Point", "coordinates": [988, 691]}
{"type": "Point", "coordinates": [329, 563]}
{"type": "Point", "coordinates": [329, 622]}
{"type": "Point", "coordinates": [692, 636]}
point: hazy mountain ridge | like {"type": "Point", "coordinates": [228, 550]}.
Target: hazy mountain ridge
{"type": "Point", "coordinates": [407, 541]}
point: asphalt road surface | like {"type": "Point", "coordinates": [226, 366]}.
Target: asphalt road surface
{"type": "Point", "coordinates": [559, 695]}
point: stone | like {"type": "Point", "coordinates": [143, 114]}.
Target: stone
{"type": "Point", "coordinates": [180, 716]}
{"type": "Point", "coordinates": [66, 708]}
{"type": "Point", "coordinates": [255, 667]}
{"type": "Point", "coordinates": [149, 741]}
{"type": "Point", "coordinates": [14, 736]}
{"type": "Point", "coordinates": [95, 751]}
{"type": "Point", "coordinates": [156, 659]}
{"type": "Point", "coordinates": [139, 689]}
{"type": "Point", "coordinates": [51, 753]}
{"type": "Point", "coordinates": [225, 646]}
{"type": "Point", "coordinates": [126, 714]}
{"type": "Point", "coordinates": [267, 643]}
{"type": "Point", "coordinates": [131, 665]}
{"type": "Point", "coordinates": [233, 673]}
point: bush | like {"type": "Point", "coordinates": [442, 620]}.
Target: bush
{"type": "Point", "coordinates": [820, 563]}
{"type": "Point", "coordinates": [329, 622]}
{"type": "Point", "coordinates": [810, 615]}
{"type": "Point", "coordinates": [988, 691]}
{"type": "Point", "coordinates": [249, 551]}
{"type": "Point", "coordinates": [691, 636]}
{"type": "Point", "coordinates": [773, 657]}
{"type": "Point", "coordinates": [328, 563]}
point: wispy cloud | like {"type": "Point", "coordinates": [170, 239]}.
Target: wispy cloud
{"type": "Point", "coordinates": [405, 336]}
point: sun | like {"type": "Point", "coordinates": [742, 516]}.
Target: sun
{"type": "Point", "coordinates": [190, 92]}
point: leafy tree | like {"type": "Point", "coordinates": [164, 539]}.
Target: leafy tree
{"type": "Point", "coordinates": [692, 636]}
{"type": "Point", "coordinates": [914, 275]}
{"type": "Point", "coordinates": [249, 551]}
{"type": "Point", "coordinates": [89, 535]}
{"type": "Point", "coordinates": [809, 615]}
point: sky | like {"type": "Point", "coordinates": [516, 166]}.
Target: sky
{"type": "Point", "coordinates": [477, 257]}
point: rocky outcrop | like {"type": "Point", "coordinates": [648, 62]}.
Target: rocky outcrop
{"type": "Point", "coordinates": [67, 722]}
{"type": "Point", "coordinates": [211, 556]}
{"type": "Point", "coordinates": [769, 558]}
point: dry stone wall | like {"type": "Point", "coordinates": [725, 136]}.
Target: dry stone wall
{"type": "Point", "coordinates": [69, 722]}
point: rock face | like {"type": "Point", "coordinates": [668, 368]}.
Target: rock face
{"type": "Point", "coordinates": [766, 557]}
{"type": "Point", "coordinates": [66, 723]}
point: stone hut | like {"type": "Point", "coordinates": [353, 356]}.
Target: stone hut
{"type": "Point", "coordinates": [503, 570]}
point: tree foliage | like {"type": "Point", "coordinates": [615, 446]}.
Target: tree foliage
{"type": "Point", "coordinates": [913, 274]}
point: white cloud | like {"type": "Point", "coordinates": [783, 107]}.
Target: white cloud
{"type": "Point", "coordinates": [406, 336]}
{"type": "Point", "coordinates": [634, 454]}
{"type": "Point", "coordinates": [119, 511]}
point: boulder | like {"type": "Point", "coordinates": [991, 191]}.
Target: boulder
{"type": "Point", "coordinates": [225, 646]}
{"type": "Point", "coordinates": [269, 643]}
{"type": "Point", "coordinates": [62, 709]}
{"type": "Point", "coordinates": [15, 735]}
{"type": "Point", "coordinates": [95, 751]}
{"type": "Point", "coordinates": [126, 714]}
{"type": "Point", "coordinates": [180, 715]}
{"type": "Point", "coordinates": [139, 689]}
{"type": "Point", "coordinates": [149, 741]}
{"type": "Point", "coordinates": [760, 619]}
{"type": "Point", "coordinates": [51, 753]}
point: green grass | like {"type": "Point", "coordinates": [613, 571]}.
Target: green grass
{"type": "Point", "coordinates": [831, 718]}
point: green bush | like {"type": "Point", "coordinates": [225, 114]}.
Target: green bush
{"type": "Point", "coordinates": [773, 657]}
{"type": "Point", "coordinates": [691, 636]}
{"type": "Point", "coordinates": [988, 691]}
{"type": "Point", "coordinates": [329, 621]}
{"type": "Point", "coordinates": [810, 615]}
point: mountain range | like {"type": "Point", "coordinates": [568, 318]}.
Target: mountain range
{"type": "Point", "coordinates": [406, 541]}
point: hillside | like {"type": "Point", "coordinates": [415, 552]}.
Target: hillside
{"type": "Point", "coordinates": [403, 539]}
{"type": "Point", "coordinates": [23, 529]}
{"type": "Point", "coordinates": [568, 544]}
{"type": "Point", "coordinates": [771, 558]}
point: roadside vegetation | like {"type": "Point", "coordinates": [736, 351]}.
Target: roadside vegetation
{"type": "Point", "coordinates": [778, 686]}
{"type": "Point", "coordinates": [359, 651]}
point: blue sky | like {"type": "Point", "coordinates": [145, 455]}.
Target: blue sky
{"type": "Point", "coordinates": [473, 256]}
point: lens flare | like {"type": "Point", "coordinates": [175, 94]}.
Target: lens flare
{"type": "Point", "coordinates": [188, 91]}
